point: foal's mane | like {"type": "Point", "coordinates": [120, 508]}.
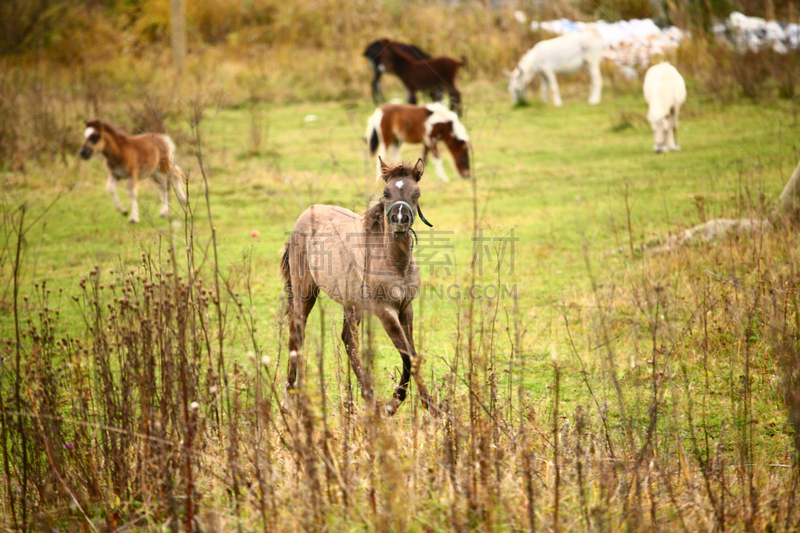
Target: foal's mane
{"type": "Point", "coordinates": [113, 130]}
{"type": "Point", "coordinates": [373, 218]}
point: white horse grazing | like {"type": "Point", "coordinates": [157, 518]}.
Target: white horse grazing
{"type": "Point", "coordinates": [664, 92]}
{"type": "Point", "coordinates": [561, 55]}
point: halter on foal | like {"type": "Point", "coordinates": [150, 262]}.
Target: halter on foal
{"type": "Point", "coordinates": [423, 74]}
{"type": "Point", "coordinates": [393, 124]}
{"type": "Point", "coordinates": [135, 157]}
{"type": "Point", "coordinates": [364, 262]}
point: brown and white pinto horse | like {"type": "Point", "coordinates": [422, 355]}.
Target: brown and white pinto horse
{"type": "Point", "coordinates": [423, 74]}
{"type": "Point", "coordinates": [393, 124]}
{"type": "Point", "coordinates": [134, 157]}
{"type": "Point", "coordinates": [365, 263]}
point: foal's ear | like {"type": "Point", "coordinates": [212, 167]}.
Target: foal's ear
{"type": "Point", "coordinates": [384, 168]}
{"type": "Point", "coordinates": [507, 73]}
{"type": "Point", "coordinates": [419, 168]}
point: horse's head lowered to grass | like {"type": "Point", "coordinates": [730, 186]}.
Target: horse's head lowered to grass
{"type": "Point", "coordinates": [517, 84]}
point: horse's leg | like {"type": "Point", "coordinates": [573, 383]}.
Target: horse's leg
{"type": "Point", "coordinates": [395, 150]}
{"type": "Point", "coordinates": [437, 162]}
{"type": "Point", "coordinates": [163, 188]}
{"type": "Point", "coordinates": [412, 94]}
{"type": "Point", "coordinates": [674, 123]}
{"type": "Point", "coordinates": [543, 89]}
{"type": "Point", "coordinates": [597, 83]}
{"type": "Point", "coordinates": [304, 296]}
{"type": "Point", "coordinates": [553, 83]}
{"type": "Point", "coordinates": [133, 196]}
{"type": "Point", "coordinates": [111, 187]}
{"type": "Point", "coordinates": [397, 331]}
{"type": "Point", "coordinates": [399, 396]}
{"type": "Point", "coordinates": [377, 94]}
{"type": "Point", "coordinates": [455, 100]}
{"type": "Point", "coordinates": [350, 338]}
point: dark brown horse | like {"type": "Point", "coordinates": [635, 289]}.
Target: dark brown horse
{"type": "Point", "coordinates": [364, 262]}
{"type": "Point", "coordinates": [423, 74]}
{"type": "Point", "coordinates": [373, 55]}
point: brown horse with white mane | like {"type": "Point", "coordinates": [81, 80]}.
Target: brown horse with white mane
{"type": "Point", "coordinates": [364, 262]}
{"type": "Point", "coordinates": [393, 124]}
{"type": "Point", "coordinates": [135, 157]}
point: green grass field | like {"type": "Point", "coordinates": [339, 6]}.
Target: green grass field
{"type": "Point", "coordinates": [578, 186]}
{"type": "Point", "coordinates": [566, 180]}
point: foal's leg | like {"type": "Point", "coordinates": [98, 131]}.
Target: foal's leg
{"type": "Point", "coordinates": [163, 189]}
{"type": "Point", "coordinates": [133, 196]}
{"type": "Point", "coordinates": [553, 83]}
{"type": "Point", "coordinates": [304, 297]}
{"type": "Point", "coordinates": [400, 333]}
{"type": "Point", "coordinates": [597, 83]}
{"type": "Point", "coordinates": [111, 187]}
{"type": "Point", "coordinates": [350, 338]}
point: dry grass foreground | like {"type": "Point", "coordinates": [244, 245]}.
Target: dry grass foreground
{"type": "Point", "coordinates": [664, 395]}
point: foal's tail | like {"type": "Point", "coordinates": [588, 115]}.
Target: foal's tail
{"type": "Point", "coordinates": [372, 135]}
{"type": "Point", "coordinates": [177, 175]}
{"type": "Point", "coordinates": [287, 280]}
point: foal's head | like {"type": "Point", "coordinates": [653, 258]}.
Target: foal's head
{"type": "Point", "coordinates": [93, 138]}
{"type": "Point", "coordinates": [401, 193]}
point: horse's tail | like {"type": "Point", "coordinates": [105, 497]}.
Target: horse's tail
{"type": "Point", "coordinates": [285, 274]}
{"type": "Point", "coordinates": [372, 135]}
{"type": "Point", "coordinates": [373, 142]}
{"type": "Point", "coordinates": [176, 174]}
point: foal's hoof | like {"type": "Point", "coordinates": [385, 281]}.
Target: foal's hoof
{"type": "Point", "coordinates": [431, 407]}
{"type": "Point", "coordinates": [390, 408]}
{"type": "Point", "coordinates": [124, 213]}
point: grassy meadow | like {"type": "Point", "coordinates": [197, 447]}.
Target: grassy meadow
{"type": "Point", "coordinates": [609, 387]}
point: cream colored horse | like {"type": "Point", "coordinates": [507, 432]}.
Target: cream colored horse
{"type": "Point", "coordinates": [561, 55]}
{"type": "Point", "coordinates": [365, 263]}
{"type": "Point", "coordinates": [665, 93]}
